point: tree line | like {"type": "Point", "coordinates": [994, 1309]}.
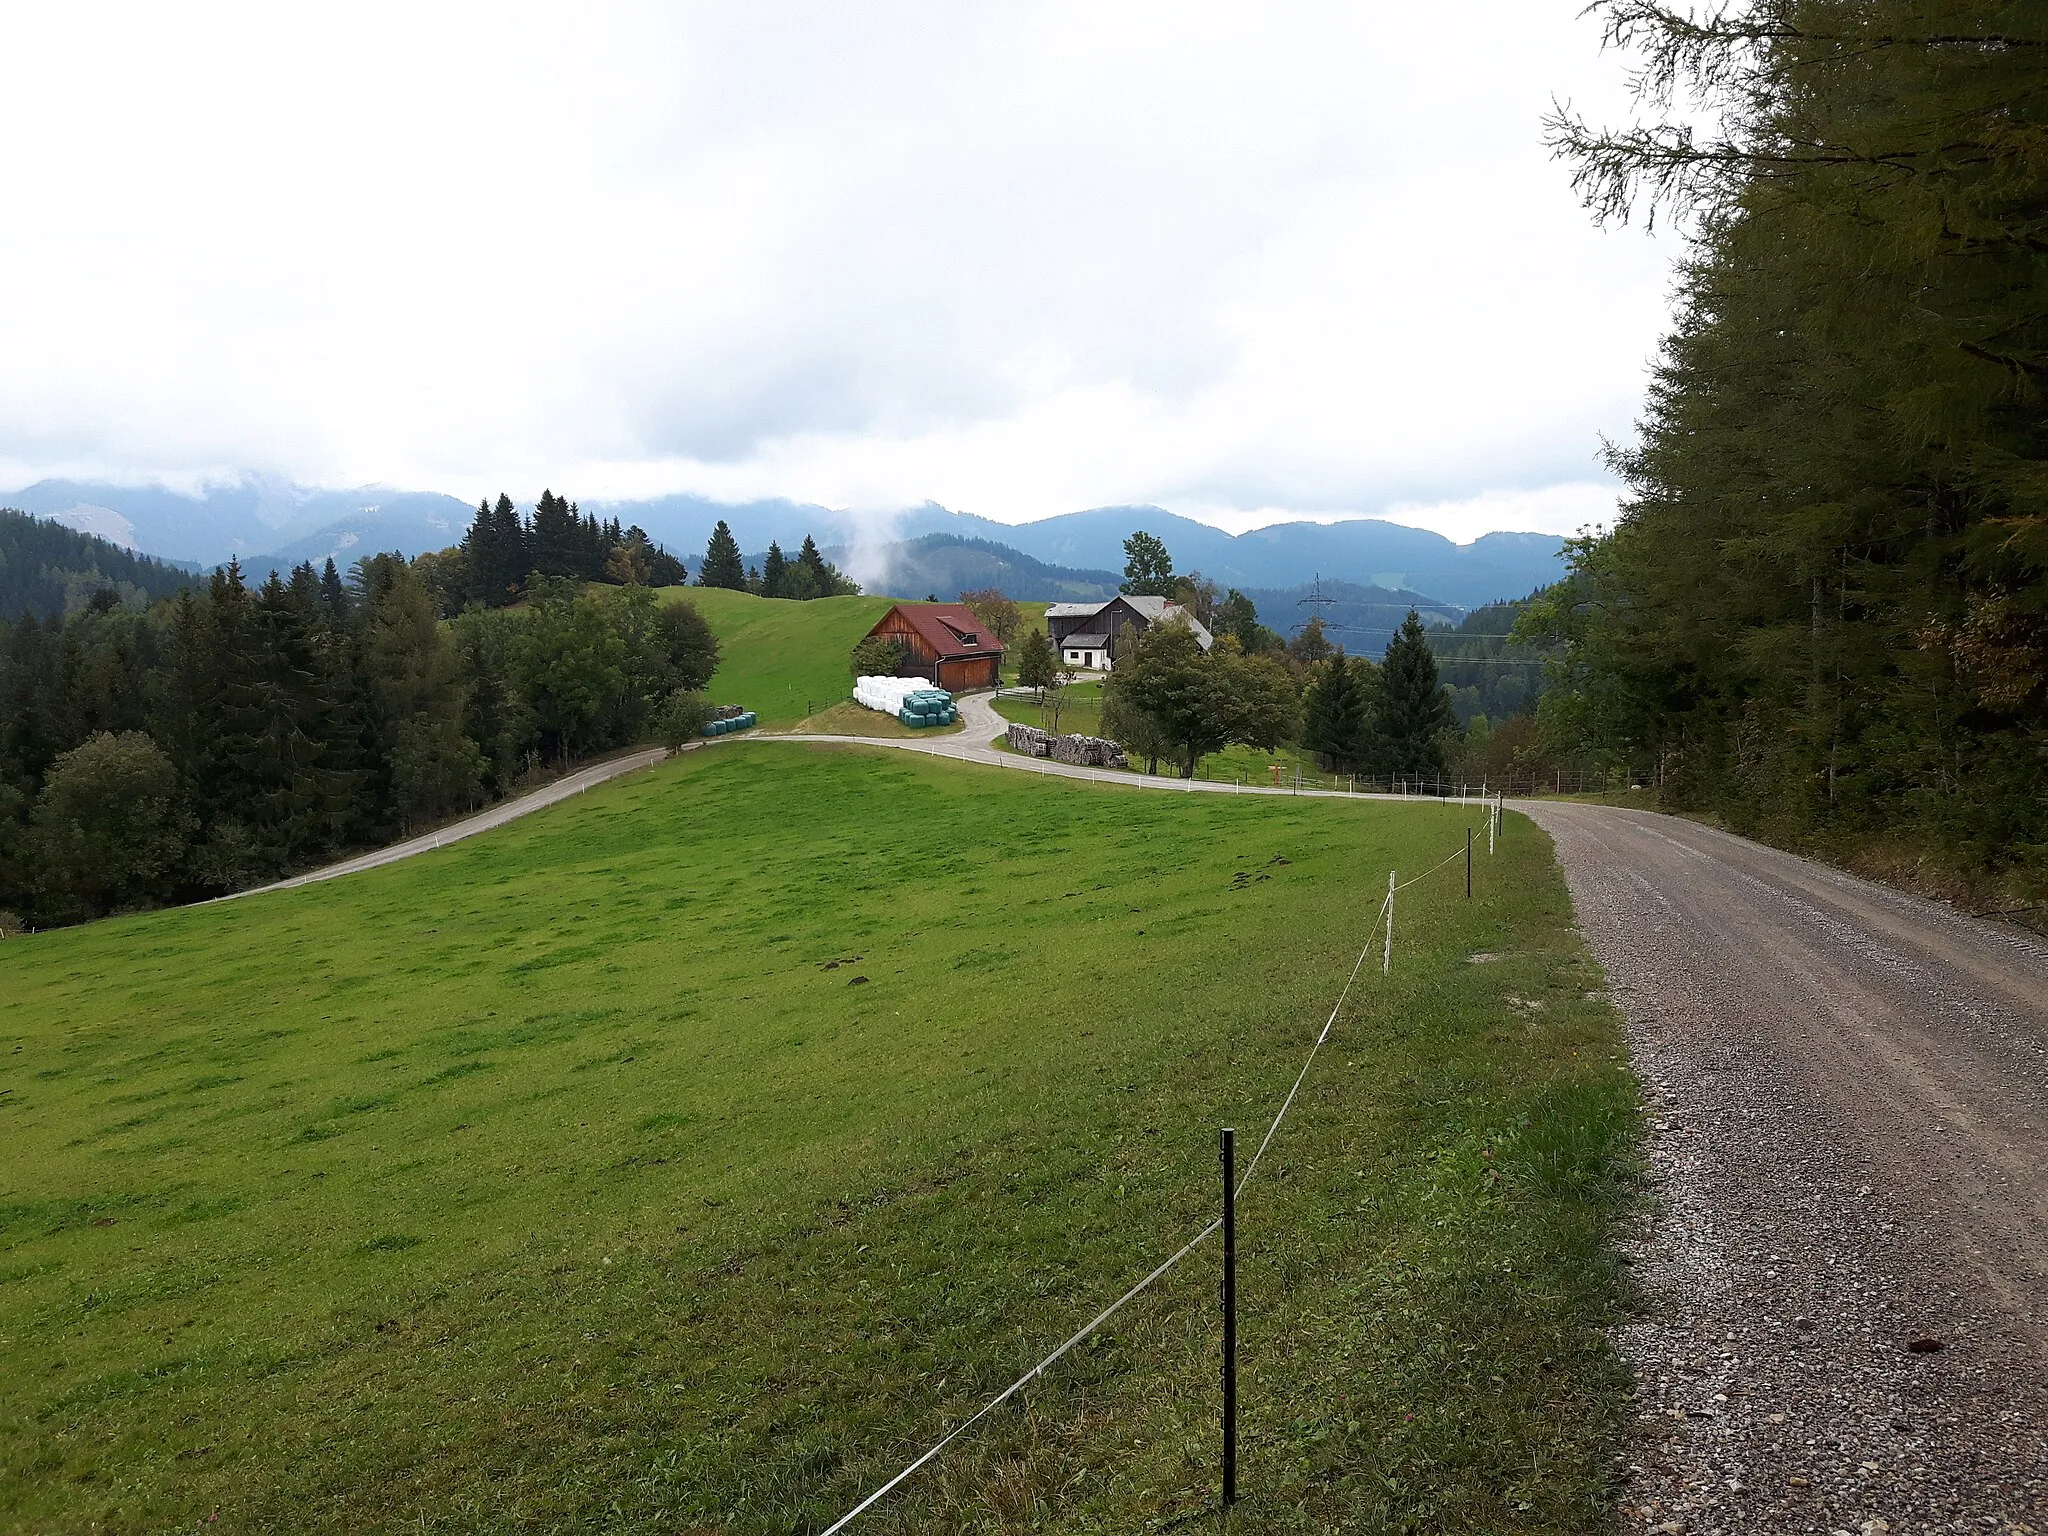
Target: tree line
{"type": "Point", "coordinates": [231, 734]}
{"type": "Point", "coordinates": [502, 550]}
{"type": "Point", "coordinates": [1823, 611]}
{"type": "Point", "coordinates": [808, 576]}
{"type": "Point", "coordinates": [1169, 698]}
{"type": "Point", "coordinates": [50, 569]}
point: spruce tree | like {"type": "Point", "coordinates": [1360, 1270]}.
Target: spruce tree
{"type": "Point", "coordinates": [514, 543]}
{"type": "Point", "coordinates": [1412, 716]}
{"type": "Point", "coordinates": [772, 571]}
{"type": "Point", "coordinates": [557, 540]}
{"type": "Point", "coordinates": [722, 566]}
{"type": "Point", "coordinates": [1334, 709]}
{"type": "Point", "coordinates": [822, 575]}
{"type": "Point", "coordinates": [333, 595]}
{"type": "Point", "coordinates": [478, 554]}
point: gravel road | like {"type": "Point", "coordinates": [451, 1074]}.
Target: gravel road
{"type": "Point", "coordinates": [1847, 1267]}
{"type": "Point", "coordinates": [483, 821]}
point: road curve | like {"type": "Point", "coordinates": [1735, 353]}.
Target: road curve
{"type": "Point", "coordinates": [970, 745]}
{"type": "Point", "coordinates": [483, 821]}
{"type": "Point", "coordinates": [1848, 1089]}
{"type": "Point", "coordinates": [981, 725]}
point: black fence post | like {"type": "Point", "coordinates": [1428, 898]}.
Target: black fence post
{"type": "Point", "coordinates": [1229, 1317]}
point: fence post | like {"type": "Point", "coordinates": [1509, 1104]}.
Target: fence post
{"type": "Point", "coordinates": [1229, 1317]}
{"type": "Point", "coordinates": [1387, 956]}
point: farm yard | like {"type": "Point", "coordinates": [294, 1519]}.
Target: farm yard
{"type": "Point", "coordinates": [693, 1154]}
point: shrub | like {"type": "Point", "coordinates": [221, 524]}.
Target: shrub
{"type": "Point", "coordinates": [682, 719]}
{"type": "Point", "coordinates": [876, 656]}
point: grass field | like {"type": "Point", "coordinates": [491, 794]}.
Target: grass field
{"type": "Point", "coordinates": [783, 660]}
{"type": "Point", "coordinates": [688, 1156]}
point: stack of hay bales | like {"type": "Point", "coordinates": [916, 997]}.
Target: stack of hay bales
{"type": "Point", "coordinates": [910, 699]}
{"type": "Point", "coordinates": [730, 718]}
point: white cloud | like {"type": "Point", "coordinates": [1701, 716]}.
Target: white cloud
{"type": "Point", "coordinates": [1017, 259]}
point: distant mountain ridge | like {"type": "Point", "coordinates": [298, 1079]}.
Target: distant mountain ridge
{"type": "Point", "coordinates": [1360, 618]}
{"type": "Point", "coordinates": [266, 525]}
{"type": "Point", "coordinates": [948, 564]}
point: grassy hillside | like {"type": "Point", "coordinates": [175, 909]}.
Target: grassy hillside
{"type": "Point", "coordinates": [782, 659]}
{"type": "Point", "coordinates": [687, 1156]}
{"type": "Point", "coordinates": [778, 657]}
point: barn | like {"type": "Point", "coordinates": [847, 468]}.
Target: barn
{"type": "Point", "coordinates": [944, 642]}
{"type": "Point", "coordinates": [1090, 635]}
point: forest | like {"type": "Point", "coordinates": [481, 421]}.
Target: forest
{"type": "Point", "coordinates": [231, 733]}
{"type": "Point", "coordinates": [1822, 616]}
{"type": "Point", "coordinates": [49, 569]}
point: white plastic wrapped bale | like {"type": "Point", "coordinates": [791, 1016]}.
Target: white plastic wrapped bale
{"type": "Point", "coordinates": [885, 694]}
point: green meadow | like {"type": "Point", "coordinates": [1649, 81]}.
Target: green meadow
{"type": "Point", "coordinates": [690, 1155]}
{"type": "Point", "coordinates": [782, 659]}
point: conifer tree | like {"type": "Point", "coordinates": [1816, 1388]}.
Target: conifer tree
{"type": "Point", "coordinates": [1336, 708]}
{"type": "Point", "coordinates": [1411, 717]}
{"type": "Point", "coordinates": [773, 568]}
{"type": "Point", "coordinates": [810, 560]}
{"type": "Point", "coordinates": [557, 538]}
{"type": "Point", "coordinates": [333, 595]}
{"type": "Point", "coordinates": [722, 566]}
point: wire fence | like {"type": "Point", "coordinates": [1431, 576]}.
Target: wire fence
{"type": "Point", "coordinates": [1383, 923]}
{"type": "Point", "coordinates": [1520, 783]}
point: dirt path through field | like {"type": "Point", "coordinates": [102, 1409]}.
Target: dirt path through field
{"type": "Point", "coordinates": [1849, 1094]}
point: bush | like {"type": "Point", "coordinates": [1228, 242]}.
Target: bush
{"type": "Point", "coordinates": [876, 656]}
{"type": "Point", "coordinates": [109, 827]}
{"type": "Point", "coordinates": [682, 719]}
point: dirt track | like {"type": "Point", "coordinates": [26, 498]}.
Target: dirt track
{"type": "Point", "coordinates": [1849, 1089]}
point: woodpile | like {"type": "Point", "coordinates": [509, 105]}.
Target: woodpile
{"type": "Point", "coordinates": [1088, 752]}
{"type": "Point", "coordinates": [1081, 751]}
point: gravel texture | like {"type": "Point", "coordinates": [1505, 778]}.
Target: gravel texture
{"type": "Point", "coordinates": [1845, 1265]}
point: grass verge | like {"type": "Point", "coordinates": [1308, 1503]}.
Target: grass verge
{"type": "Point", "coordinates": [848, 719]}
{"type": "Point", "coordinates": [688, 1156]}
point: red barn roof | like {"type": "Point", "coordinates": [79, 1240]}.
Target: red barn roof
{"type": "Point", "coordinates": [950, 629]}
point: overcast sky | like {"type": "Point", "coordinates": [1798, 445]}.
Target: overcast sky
{"type": "Point", "coordinates": [1242, 261]}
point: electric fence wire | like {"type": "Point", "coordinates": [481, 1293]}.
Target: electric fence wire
{"type": "Point", "coordinates": [1459, 854]}
{"type": "Point", "coordinates": [1189, 1247]}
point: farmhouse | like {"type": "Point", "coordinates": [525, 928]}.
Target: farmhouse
{"type": "Point", "coordinates": [944, 642]}
{"type": "Point", "coordinates": [1089, 635]}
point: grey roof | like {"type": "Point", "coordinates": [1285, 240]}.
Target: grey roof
{"type": "Point", "coordinates": [1086, 642]}
{"type": "Point", "coordinates": [1152, 609]}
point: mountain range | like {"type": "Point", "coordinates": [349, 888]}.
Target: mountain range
{"type": "Point", "coordinates": [267, 525]}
